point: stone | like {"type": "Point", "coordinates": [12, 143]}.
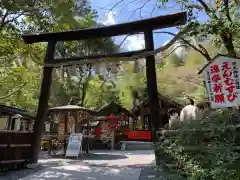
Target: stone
{"type": "Point", "coordinates": [32, 166]}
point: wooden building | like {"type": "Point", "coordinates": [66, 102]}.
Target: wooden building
{"type": "Point", "coordinates": [65, 120]}
{"type": "Point", "coordinates": [15, 137]}
{"type": "Point", "coordinates": [142, 125]}
{"type": "Point", "coordinates": [15, 119]}
{"type": "Point", "coordinates": [123, 117]}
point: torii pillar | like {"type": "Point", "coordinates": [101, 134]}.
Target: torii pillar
{"type": "Point", "coordinates": [145, 26]}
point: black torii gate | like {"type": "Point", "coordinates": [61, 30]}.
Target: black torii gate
{"type": "Point", "coordinates": [143, 26]}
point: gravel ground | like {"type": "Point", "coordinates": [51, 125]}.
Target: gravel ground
{"type": "Point", "coordinates": [19, 174]}
{"type": "Point", "coordinates": [148, 173]}
{"type": "Point", "coordinates": [118, 159]}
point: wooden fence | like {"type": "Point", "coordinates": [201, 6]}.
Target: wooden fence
{"type": "Point", "coordinates": [15, 148]}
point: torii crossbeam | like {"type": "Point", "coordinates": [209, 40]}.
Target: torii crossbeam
{"type": "Point", "coordinates": [143, 26]}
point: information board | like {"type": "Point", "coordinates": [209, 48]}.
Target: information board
{"type": "Point", "coordinates": [74, 147]}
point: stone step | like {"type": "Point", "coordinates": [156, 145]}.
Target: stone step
{"type": "Point", "coordinates": [136, 145]}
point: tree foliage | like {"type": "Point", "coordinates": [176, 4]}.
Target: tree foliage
{"type": "Point", "coordinates": [221, 26]}
{"type": "Point", "coordinates": [21, 64]}
{"type": "Point", "coordinates": [206, 149]}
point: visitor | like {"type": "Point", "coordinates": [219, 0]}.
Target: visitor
{"type": "Point", "coordinates": [174, 118]}
{"type": "Point", "coordinates": [190, 111]}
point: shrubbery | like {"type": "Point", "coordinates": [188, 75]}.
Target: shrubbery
{"type": "Point", "coordinates": [204, 150]}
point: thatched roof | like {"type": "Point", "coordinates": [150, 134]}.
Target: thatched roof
{"type": "Point", "coordinates": [15, 111]}
{"type": "Point", "coordinates": [70, 108]}
{"type": "Point", "coordinates": [112, 108]}
{"type": "Point", "coordinates": [160, 97]}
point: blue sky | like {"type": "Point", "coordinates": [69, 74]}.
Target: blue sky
{"type": "Point", "coordinates": [129, 10]}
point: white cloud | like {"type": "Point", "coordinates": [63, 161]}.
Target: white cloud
{"type": "Point", "coordinates": [166, 42]}
{"type": "Point", "coordinates": [110, 18]}
{"type": "Point", "coordinates": [133, 42]}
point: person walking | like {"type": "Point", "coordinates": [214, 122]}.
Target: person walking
{"type": "Point", "coordinates": [174, 118]}
{"type": "Point", "coordinates": [190, 111]}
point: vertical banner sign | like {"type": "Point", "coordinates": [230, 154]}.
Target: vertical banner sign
{"type": "Point", "coordinates": [61, 129]}
{"type": "Point", "coordinates": [74, 147]}
{"type": "Point", "coordinates": [222, 82]}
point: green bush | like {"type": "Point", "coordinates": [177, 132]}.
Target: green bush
{"type": "Point", "coordinates": [206, 149]}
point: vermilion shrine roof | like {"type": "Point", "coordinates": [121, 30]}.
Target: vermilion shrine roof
{"type": "Point", "coordinates": [13, 110]}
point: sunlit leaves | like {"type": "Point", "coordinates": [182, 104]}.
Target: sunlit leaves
{"type": "Point", "coordinates": [184, 80]}
{"type": "Point", "coordinates": [21, 63]}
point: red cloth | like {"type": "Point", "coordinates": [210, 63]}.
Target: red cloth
{"type": "Point", "coordinates": [97, 132]}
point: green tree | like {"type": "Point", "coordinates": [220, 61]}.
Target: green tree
{"type": "Point", "coordinates": [129, 81]}
{"type": "Point", "coordinates": [21, 65]}
{"type": "Point", "coordinates": [184, 81]}
{"type": "Point", "coordinates": [222, 25]}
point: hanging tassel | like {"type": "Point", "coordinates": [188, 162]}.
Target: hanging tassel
{"type": "Point", "coordinates": [61, 74]}
{"type": "Point", "coordinates": [74, 70]}
{"type": "Point", "coordinates": [78, 72]}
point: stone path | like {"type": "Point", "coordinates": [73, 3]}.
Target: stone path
{"type": "Point", "coordinates": [101, 165]}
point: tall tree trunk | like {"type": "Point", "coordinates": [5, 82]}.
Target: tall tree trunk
{"type": "Point", "coordinates": [228, 43]}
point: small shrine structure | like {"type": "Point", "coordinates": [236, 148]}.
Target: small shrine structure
{"type": "Point", "coordinates": [16, 127]}
{"type": "Point", "coordinates": [70, 119]}
{"type": "Point", "coordinates": [141, 129]}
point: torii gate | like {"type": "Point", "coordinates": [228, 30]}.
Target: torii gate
{"type": "Point", "coordinates": [143, 26]}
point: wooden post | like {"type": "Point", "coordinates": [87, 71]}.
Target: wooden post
{"type": "Point", "coordinates": [112, 138]}
{"type": "Point", "coordinates": [152, 85]}
{"type": "Point", "coordinates": [9, 122]}
{"type": "Point", "coordinates": [142, 116]}
{"type": "Point", "coordinates": [43, 102]}
{"type": "Point", "coordinates": [75, 123]}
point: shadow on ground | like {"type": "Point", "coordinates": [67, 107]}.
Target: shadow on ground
{"type": "Point", "coordinates": [97, 165]}
{"type": "Point", "coordinates": [20, 173]}
{"type": "Point", "coordinates": [81, 172]}
{"type": "Point", "coordinates": [116, 166]}
{"type": "Point", "coordinates": [52, 163]}
{"type": "Point", "coordinates": [91, 156]}
{"type": "Point", "coordinates": [102, 156]}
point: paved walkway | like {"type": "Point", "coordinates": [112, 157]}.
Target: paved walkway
{"type": "Point", "coordinates": [101, 165]}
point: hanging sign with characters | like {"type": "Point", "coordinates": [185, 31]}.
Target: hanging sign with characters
{"type": "Point", "coordinates": [222, 82]}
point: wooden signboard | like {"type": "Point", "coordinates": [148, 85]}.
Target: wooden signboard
{"type": "Point", "coordinates": [74, 147]}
